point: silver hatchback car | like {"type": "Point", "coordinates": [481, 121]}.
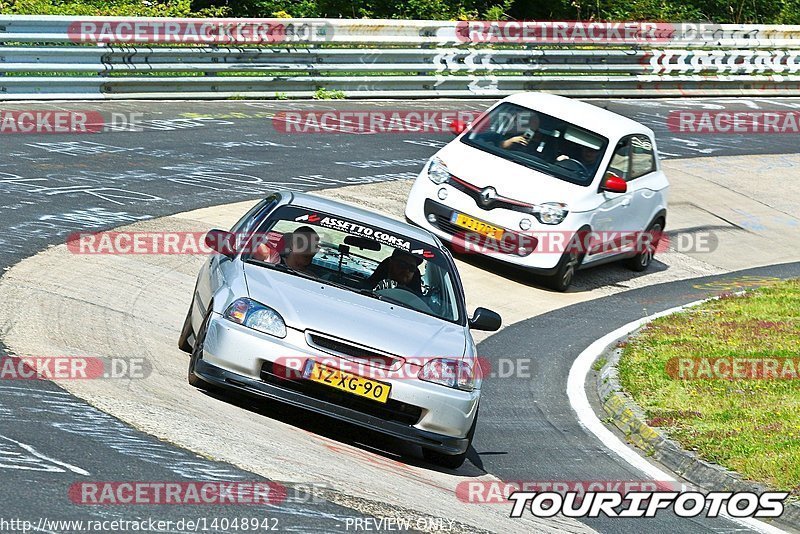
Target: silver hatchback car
{"type": "Point", "coordinates": [343, 312]}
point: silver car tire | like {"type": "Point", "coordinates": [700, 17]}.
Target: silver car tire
{"type": "Point", "coordinates": [197, 352]}
{"type": "Point", "coordinates": [451, 461]}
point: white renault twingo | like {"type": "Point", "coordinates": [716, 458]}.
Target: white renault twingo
{"type": "Point", "coordinates": [546, 183]}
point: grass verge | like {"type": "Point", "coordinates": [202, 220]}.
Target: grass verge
{"type": "Point", "coordinates": [749, 423]}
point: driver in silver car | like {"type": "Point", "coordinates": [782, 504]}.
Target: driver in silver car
{"type": "Point", "coordinates": [400, 270]}
{"type": "Point", "coordinates": [302, 247]}
{"type": "Point", "coordinates": [295, 250]}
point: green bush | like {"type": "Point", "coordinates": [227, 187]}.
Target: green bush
{"type": "Point", "coordinates": [718, 11]}
{"type": "Point", "coordinates": [380, 9]}
{"type": "Point", "coordinates": [127, 8]}
{"type": "Point", "coordinates": [325, 94]}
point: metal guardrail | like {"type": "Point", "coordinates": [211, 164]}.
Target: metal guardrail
{"type": "Point", "coordinates": [111, 57]}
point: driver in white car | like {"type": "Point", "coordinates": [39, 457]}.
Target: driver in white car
{"type": "Point", "coordinates": [586, 155]}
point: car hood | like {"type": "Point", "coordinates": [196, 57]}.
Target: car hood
{"type": "Point", "coordinates": [510, 179]}
{"type": "Point", "coordinates": [309, 305]}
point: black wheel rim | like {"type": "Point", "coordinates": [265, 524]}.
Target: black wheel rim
{"type": "Point", "coordinates": [569, 271]}
{"type": "Point", "coordinates": [650, 248]}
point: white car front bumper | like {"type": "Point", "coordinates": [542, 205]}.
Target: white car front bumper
{"type": "Point", "coordinates": [550, 240]}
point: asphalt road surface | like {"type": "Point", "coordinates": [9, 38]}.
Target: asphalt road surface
{"type": "Point", "coordinates": [191, 155]}
{"type": "Point", "coordinates": [528, 430]}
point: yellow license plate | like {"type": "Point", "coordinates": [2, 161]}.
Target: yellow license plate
{"type": "Point", "coordinates": [342, 380]}
{"type": "Point", "coordinates": [465, 221]}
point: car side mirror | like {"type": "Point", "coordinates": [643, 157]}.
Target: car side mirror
{"type": "Point", "coordinates": [221, 242]}
{"type": "Point", "coordinates": [457, 127]}
{"type": "Point", "coordinates": [484, 319]}
{"type": "Point", "coordinates": [614, 184]}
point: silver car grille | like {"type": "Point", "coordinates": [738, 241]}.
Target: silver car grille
{"type": "Point", "coordinates": [352, 351]}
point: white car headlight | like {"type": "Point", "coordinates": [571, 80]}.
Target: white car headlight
{"type": "Point", "coordinates": [550, 212]}
{"type": "Point", "coordinates": [456, 374]}
{"type": "Point", "coordinates": [255, 315]}
{"type": "Point", "coordinates": [437, 171]}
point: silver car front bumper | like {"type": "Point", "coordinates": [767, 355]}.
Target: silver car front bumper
{"type": "Point", "coordinates": [430, 415]}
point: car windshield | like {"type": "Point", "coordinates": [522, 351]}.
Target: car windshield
{"type": "Point", "coordinates": [539, 141]}
{"type": "Point", "coordinates": [361, 258]}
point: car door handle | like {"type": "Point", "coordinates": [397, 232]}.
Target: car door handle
{"type": "Point", "coordinates": [626, 202]}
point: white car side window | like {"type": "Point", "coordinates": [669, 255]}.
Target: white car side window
{"type": "Point", "coordinates": [620, 161]}
{"type": "Point", "coordinates": [642, 158]}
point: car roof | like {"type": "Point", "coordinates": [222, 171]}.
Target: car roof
{"type": "Point", "coordinates": [361, 215]}
{"type": "Point", "coordinates": [580, 113]}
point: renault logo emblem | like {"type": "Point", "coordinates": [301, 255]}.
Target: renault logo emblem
{"type": "Point", "coordinates": [487, 195]}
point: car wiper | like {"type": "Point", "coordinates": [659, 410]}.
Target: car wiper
{"type": "Point", "coordinates": [371, 293]}
{"type": "Point", "coordinates": [334, 284]}
{"type": "Point", "coordinates": [384, 298]}
{"type": "Point", "coordinates": [286, 269]}
{"type": "Point", "coordinates": [280, 267]}
{"type": "Point", "coordinates": [509, 155]}
{"type": "Point", "coordinates": [537, 163]}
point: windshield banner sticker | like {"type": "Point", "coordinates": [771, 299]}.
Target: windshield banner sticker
{"type": "Point", "coordinates": [361, 230]}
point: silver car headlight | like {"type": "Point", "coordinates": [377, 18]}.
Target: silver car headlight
{"type": "Point", "coordinates": [550, 212]}
{"type": "Point", "coordinates": [437, 171]}
{"type": "Point", "coordinates": [255, 315]}
{"type": "Point", "coordinates": [456, 374]}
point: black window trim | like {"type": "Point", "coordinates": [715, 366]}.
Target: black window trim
{"type": "Point", "coordinates": [624, 140]}
{"type": "Point", "coordinates": [652, 157]}
{"type": "Point", "coordinates": [253, 219]}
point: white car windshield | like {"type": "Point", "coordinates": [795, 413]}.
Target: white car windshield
{"type": "Point", "coordinates": [539, 141]}
{"type": "Point", "coordinates": [358, 257]}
